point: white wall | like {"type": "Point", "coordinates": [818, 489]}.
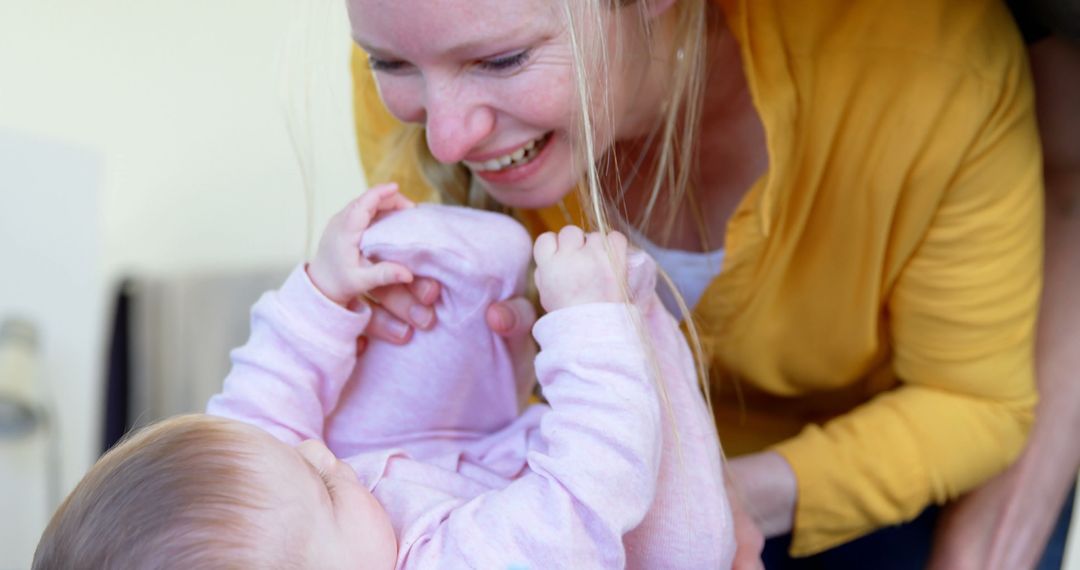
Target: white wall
{"type": "Point", "coordinates": [50, 255]}
{"type": "Point", "coordinates": [159, 130]}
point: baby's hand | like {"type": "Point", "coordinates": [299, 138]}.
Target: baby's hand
{"type": "Point", "coordinates": [339, 270]}
{"type": "Point", "coordinates": [574, 269]}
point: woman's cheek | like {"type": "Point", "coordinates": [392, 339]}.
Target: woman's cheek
{"type": "Point", "coordinates": [542, 99]}
{"type": "Point", "coordinates": [402, 98]}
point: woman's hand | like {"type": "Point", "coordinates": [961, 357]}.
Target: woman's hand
{"type": "Point", "coordinates": [749, 541]}
{"type": "Point", "coordinates": [404, 308]}
{"type": "Point", "coordinates": [511, 318]}
{"type": "Point", "coordinates": [397, 310]}
{"type": "Point", "coordinates": [400, 309]}
{"type": "Point", "coordinates": [768, 488]}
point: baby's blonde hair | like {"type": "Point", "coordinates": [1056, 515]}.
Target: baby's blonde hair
{"type": "Point", "coordinates": [176, 494]}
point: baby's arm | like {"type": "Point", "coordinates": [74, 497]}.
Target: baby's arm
{"type": "Point", "coordinates": [690, 522]}
{"type": "Point", "coordinates": [593, 464]}
{"type": "Point", "coordinates": [289, 376]}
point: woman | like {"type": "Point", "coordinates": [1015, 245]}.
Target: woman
{"type": "Point", "coordinates": [868, 172]}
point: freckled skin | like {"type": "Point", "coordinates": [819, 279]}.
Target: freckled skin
{"type": "Point", "coordinates": [469, 111]}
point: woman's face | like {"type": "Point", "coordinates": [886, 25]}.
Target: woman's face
{"type": "Point", "coordinates": [491, 80]}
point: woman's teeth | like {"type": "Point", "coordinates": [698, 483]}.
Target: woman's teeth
{"type": "Point", "coordinates": [520, 156]}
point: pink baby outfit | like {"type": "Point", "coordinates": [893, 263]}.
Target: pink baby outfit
{"type": "Point", "coordinates": [436, 429]}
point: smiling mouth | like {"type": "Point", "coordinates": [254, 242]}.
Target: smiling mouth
{"type": "Point", "coordinates": [519, 157]}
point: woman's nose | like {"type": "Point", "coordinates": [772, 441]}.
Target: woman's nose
{"type": "Point", "coordinates": [456, 124]}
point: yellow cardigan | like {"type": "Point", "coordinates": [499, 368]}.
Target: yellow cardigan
{"type": "Point", "coordinates": [874, 321]}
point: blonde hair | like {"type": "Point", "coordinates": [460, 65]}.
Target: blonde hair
{"type": "Point", "coordinates": [173, 495]}
{"type": "Point", "coordinates": [672, 144]}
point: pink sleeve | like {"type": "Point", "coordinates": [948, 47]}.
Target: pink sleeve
{"type": "Point", "coordinates": [689, 524]}
{"type": "Point", "coordinates": [592, 469]}
{"type": "Point", "coordinates": [290, 374]}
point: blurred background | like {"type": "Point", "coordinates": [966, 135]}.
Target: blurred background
{"type": "Point", "coordinates": [150, 189]}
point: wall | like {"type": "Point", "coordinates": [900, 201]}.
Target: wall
{"type": "Point", "coordinates": [50, 255]}
{"type": "Point", "coordinates": [152, 137]}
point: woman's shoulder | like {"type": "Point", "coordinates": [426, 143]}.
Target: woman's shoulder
{"type": "Point", "coordinates": [901, 77]}
{"type": "Point", "coordinates": [974, 35]}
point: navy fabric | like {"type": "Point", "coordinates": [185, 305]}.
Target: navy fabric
{"type": "Point", "coordinates": [1055, 549]}
{"type": "Point", "coordinates": [901, 547]}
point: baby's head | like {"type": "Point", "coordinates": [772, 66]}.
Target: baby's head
{"type": "Point", "coordinates": [204, 492]}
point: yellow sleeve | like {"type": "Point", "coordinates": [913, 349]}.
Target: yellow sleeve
{"type": "Point", "coordinates": [961, 318]}
{"type": "Point", "coordinates": [377, 133]}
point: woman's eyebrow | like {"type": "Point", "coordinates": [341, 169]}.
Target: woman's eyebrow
{"type": "Point", "coordinates": [368, 49]}
{"type": "Point", "coordinates": [470, 47]}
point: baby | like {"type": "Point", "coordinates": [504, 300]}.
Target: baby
{"type": "Point", "coordinates": [440, 467]}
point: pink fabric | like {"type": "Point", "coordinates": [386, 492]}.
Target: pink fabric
{"type": "Point", "coordinates": [436, 428]}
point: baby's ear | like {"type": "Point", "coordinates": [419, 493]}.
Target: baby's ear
{"type": "Point", "coordinates": [317, 454]}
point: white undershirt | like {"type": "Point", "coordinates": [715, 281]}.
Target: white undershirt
{"type": "Point", "coordinates": [691, 271]}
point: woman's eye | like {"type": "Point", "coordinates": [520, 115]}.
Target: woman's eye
{"type": "Point", "coordinates": [385, 65]}
{"type": "Point", "coordinates": [495, 64]}
{"type": "Point", "coordinates": [505, 63]}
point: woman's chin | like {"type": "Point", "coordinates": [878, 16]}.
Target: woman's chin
{"type": "Point", "coordinates": [529, 198]}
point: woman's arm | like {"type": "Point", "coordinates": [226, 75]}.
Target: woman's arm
{"type": "Point", "coordinates": [959, 321]}
{"type": "Point", "coordinates": [1006, 523]}
{"type": "Point", "coordinates": [768, 489]}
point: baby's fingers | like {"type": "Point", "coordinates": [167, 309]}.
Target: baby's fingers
{"type": "Point", "coordinates": [545, 247]}
{"type": "Point", "coordinates": [387, 198]}
{"type": "Point", "coordinates": [613, 244]}
{"type": "Point", "coordinates": [617, 241]}
{"type": "Point", "coordinates": [571, 237]}
{"type": "Point", "coordinates": [395, 201]}
{"type": "Point", "coordinates": [363, 210]}
{"type": "Point", "coordinates": [380, 274]}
